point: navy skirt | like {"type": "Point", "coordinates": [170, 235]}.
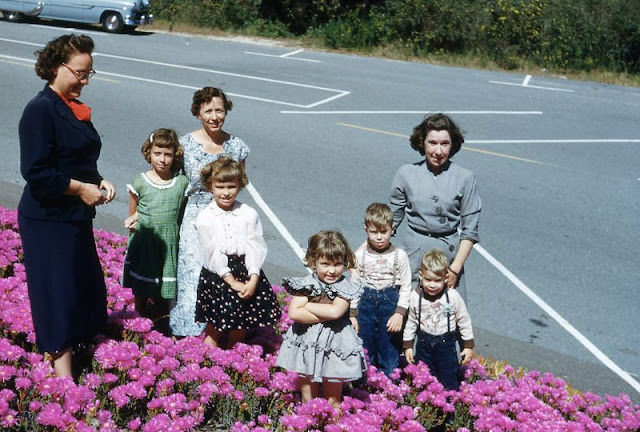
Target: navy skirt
{"type": "Point", "coordinates": [65, 281]}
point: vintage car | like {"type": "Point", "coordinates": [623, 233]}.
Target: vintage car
{"type": "Point", "coordinates": [116, 16]}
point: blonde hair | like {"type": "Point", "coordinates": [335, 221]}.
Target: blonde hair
{"type": "Point", "coordinates": [330, 245]}
{"type": "Point", "coordinates": [379, 215]}
{"type": "Point", "coordinates": [223, 169]}
{"type": "Point", "coordinates": [164, 138]}
{"type": "Point", "coordinates": [436, 262]}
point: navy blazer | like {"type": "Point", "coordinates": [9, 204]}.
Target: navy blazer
{"type": "Point", "coordinates": [55, 147]}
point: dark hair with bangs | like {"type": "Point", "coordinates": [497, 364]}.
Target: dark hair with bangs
{"type": "Point", "coordinates": [223, 169]}
{"type": "Point", "coordinates": [379, 215]}
{"type": "Point", "coordinates": [164, 138]}
{"type": "Point", "coordinates": [330, 245]}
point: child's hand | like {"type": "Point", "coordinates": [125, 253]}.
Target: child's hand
{"type": "Point", "coordinates": [394, 325]}
{"type": "Point", "coordinates": [354, 323]}
{"type": "Point", "coordinates": [408, 355]}
{"type": "Point", "coordinates": [467, 355]}
{"type": "Point", "coordinates": [131, 222]}
{"type": "Point", "coordinates": [249, 289]}
{"type": "Point", "coordinates": [233, 283]}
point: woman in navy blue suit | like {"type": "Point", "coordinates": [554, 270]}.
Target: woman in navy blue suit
{"type": "Point", "coordinates": [59, 149]}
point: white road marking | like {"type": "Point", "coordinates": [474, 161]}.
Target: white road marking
{"type": "Point", "coordinates": [557, 141]}
{"type": "Point", "coordinates": [71, 29]}
{"type": "Point", "coordinates": [284, 232]}
{"type": "Point", "coordinates": [337, 93]}
{"type": "Point", "coordinates": [288, 55]}
{"type": "Point", "coordinates": [292, 53]}
{"type": "Point", "coordinates": [423, 112]}
{"type": "Point", "coordinates": [527, 85]}
{"type": "Point", "coordinates": [559, 319]}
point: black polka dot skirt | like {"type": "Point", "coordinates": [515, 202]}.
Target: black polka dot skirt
{"type": "Point", "coordinates": [221, 306]}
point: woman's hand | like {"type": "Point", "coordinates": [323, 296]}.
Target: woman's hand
{"type": "Point", "coordinates": [452, 279]}
{"type": "Point", "coordinates": [89, 193]}
{"type": "Point", "coordinates": [108, 190]}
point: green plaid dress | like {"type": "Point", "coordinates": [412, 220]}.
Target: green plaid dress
{"type": "Point", "coordinates": [152, 252]}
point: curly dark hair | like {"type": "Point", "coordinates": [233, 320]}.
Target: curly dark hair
{"type": "Point", "coordinates": [330, 245]}
{"type": "Point", "coordinates": [224, 169]}
{"type": "Point", "coordinates": [436, 122]}
{"type": "Point", "coordinates": [164, 138]}
{"type": "Point", "coordinates": [205, 95]}
{"type": "Point", "coordinates": [58, 51]}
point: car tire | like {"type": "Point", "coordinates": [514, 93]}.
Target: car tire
{"type": "Point", "coordinates": [12, 16]}
{"type": "Point", "coordinates": [112, 22]}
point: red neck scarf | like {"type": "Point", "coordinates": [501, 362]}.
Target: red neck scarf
{"type": "Point", "coordinates": [81, 111]}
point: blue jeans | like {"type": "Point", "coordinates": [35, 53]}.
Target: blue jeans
{"type": "Point", "coordinates": [374, 310]}
{"type": "Point", "coordinates": [439, 353]}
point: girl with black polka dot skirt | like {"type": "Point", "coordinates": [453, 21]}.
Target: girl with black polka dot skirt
{"type": "Point", "coordinates": [234, 294]}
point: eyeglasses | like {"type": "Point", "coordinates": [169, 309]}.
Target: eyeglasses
{"type": "Point", "coordinates": [80, 75]}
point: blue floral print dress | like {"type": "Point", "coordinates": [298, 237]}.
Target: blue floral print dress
{"type": "Point", "coordinates": [190, 254]}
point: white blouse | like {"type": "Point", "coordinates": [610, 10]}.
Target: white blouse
{"type": "Point", "coordinates": [234, 232]}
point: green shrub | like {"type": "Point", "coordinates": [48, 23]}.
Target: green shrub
{"type": "Point", "coordinates": [577, 35]}
{"type": "Point", "coordinates": [427, 26]}
{"type": "Point", "coordinates": [351, 31]}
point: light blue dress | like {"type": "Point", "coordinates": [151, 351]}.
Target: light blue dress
{"type": "Point", "coordinates": [328, 350]}
{"type": "Point", "coordinates": [190, 255]}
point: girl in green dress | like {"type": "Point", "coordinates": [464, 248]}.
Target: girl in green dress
{"type": "Point", "coordinates": [155, 199]}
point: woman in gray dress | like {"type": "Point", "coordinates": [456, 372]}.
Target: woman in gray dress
{"type": "Point", "coordinates": [210, 105]}
{"type": "Point", "coordinates": [439, 198]}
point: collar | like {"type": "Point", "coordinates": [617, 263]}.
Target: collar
{"type": "Point", "coordinates": [370, 248]}
{"type": "Point", "coordinates": [218, 211]}
{"type": "Point", "coordinates": [81, 111]}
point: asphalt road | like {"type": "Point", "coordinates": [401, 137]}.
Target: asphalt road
{"type": "Point", "coordinates": [552, 285]}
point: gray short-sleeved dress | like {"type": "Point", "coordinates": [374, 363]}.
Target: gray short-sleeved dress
{"type": "Point", "coordinates": [182, 316]}
{"type": "Point", "coordinates": [330, 350]}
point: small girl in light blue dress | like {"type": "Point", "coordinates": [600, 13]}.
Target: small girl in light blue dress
{"type": "Point", "coordinates": [322, 346]}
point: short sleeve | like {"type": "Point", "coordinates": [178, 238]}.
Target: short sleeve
{"type": "Point", "coordinates": [237, 149]}
{"type": "Point", "coordinates": [301, 286]}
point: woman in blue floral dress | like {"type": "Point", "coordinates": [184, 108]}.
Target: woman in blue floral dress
{"type": "Point", "coordinates": [210, 105]}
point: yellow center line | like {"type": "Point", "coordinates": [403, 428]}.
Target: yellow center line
{"type": "Point", "coordinates": [466, 147]}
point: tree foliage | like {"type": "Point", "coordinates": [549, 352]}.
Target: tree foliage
{"type": "Point", "coordinates": [576, 35]}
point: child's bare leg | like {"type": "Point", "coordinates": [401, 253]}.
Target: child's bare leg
{"type": "Point", "coordinates": [62, 363]}
{"type": "Point", "coordinates": [308, 389]}
{"type": "Point", "coordinates": [332, 392]}
{"type": "Point", "coordinates": [236, 336]}
{"type": "Point", "coordinates": [212, 336]}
